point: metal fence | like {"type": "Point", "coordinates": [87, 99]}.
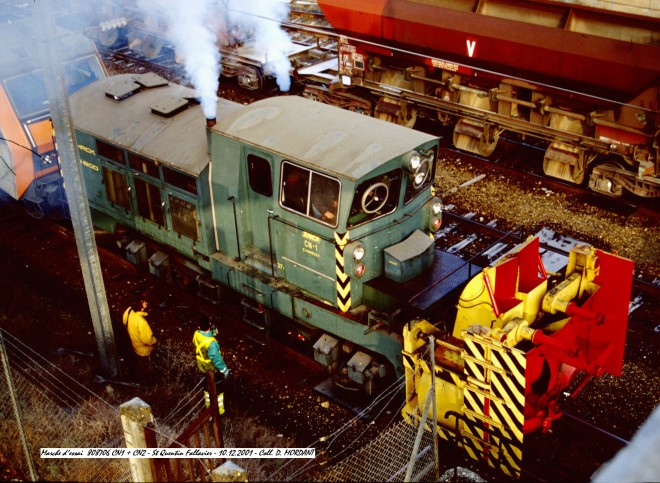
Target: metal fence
{"type": "Point", "coordinates": [43, 407]}
{"type": "Point", "coordinates": [387, 458]}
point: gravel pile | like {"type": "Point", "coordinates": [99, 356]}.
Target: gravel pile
{"type": "Point", "coordinates": [496, 197]}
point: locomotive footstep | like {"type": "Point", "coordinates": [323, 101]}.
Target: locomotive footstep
{"type": "Point", "coordinates": [350, 401]}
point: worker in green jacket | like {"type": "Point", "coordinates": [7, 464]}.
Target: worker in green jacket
{"type": "Point", "coordinates": [142, 340]}
{"type": "Point", "coordinates": [209, 358]}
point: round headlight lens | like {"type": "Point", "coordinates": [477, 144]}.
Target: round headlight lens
{"type": "Point", "coordinates": [358, 253]}
{"type": "Point", "coordinates": [414, 160]}
{"type": "Point", "coordinates": [437, 207]}
{"type": "Point", "coordinates": [422, 173]}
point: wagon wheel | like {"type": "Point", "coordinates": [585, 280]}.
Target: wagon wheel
{"type": "Point", "coordinates": [566, 171]}
{"type": "Point", "coordinates": [108, 38]}
{"type": "Point", "coordinates": [486, 148]}
{"type": "Point", "coordinates": [375, 197]}
{"type": "Point", "coordinates": [251, 79]}
{"type": "Point", "coordinates": [579, 175]}
{"type": "Point", "coordinates": [573, 172]}
{"type": "Point", "coordinates": [488, 140]}
{"type": "Point", "coordinates": [408, 116]}
{"type": "Point", "coordinates": [400, 113]}
{"type": "Point", "coordinates": [151, 47]}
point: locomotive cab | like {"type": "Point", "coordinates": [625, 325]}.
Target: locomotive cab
{"type": "Point", "coordinates": [320, 213]}
{"type": "Point", "coordinates": [308, 199]}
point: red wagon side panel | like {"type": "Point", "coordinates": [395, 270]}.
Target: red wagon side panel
{"type": "Point", "coordinates": [554, 55]}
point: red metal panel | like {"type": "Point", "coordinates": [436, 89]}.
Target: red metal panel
{"type": "Point", "coordinates": [612, 300]}
{"type": "Point", "coordinates": [532, 272]}
{"type": "Point", "coordinates": [613, 135]}
{"type": "Point", "coordinates": [353, 17]}
{"type": "Point", "coordinates": [551, 55]}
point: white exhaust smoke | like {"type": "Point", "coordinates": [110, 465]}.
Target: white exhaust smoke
{"type": "Point", "coordinates": [187, 27]}
{"type": "Point", "coordinates": [264, 17]}
{"type": "Point", "coordinates": [194, 28]}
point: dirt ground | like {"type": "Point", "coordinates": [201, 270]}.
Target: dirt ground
{"type": "Point", "coordinates": [44, 297]}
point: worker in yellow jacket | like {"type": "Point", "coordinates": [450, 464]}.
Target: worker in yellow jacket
{"type": "Point", "coordinates": [209, 358]}
{"type": "Point", "coordinates": [142, 340]}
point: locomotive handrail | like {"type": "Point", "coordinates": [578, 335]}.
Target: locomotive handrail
{"type": "Point", "coordinates": [331, 240]}
{"type": "Point", "coordinates": [270, 242]}
{"type": "Point", "coordinates": [238, 242]}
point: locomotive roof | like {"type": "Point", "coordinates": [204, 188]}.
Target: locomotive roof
{"type": "Point", "coordinates": [335, 140]}
{"type": "Point", "coordinates": [20, 46]}
{"type": "Point", "coordinates": [179, 140]}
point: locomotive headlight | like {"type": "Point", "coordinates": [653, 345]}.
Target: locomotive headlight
{"type": "Point", "coordinates": [421, 174]}
{"type": "Point", "coordinates": [412, 160]}
{"type": "Point", "coordinates": [357, 251]}
{"type": "Point", "coordinates": [435, 220]}
{"type": "Point", "coordinates": [436, 208]}
{"type": "Point", "coordinates": [430, 156]}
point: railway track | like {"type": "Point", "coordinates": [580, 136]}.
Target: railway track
{"type": "Point", "coordinates": [482, 242]}
{"type": "Point", "coordinates": [307, 28]}
{"type": "Point", "coordinates": [524, 161]}
{"type": "Point", "coordinates": [569, 457]}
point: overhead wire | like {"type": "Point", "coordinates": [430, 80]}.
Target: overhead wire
{"type": "Point", "coordinates": [52, 377]}
{"type": "Point", "coordinates": [24, 147]}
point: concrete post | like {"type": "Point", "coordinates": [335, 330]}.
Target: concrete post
{"type": "Point", "coordinates": [135, 415]}
{"type": "Point", "coordinates": [76, 194]}
{"type": "Point", "coordinates": [229, 472]}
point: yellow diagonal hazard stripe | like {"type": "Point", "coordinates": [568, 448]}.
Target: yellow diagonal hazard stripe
{"type": "Point", "coordinates": [343, 283]}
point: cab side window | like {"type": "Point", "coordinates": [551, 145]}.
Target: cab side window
{"type": "Point", "coordinates": [295, 188]}
{"type": "Point", "coordinates": [259, 175]}
{"type": "Point", "coordinates": [310, 193]}
{"type": "Point", "coordinates": [324, 198]}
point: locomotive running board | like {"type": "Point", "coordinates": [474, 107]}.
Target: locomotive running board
{"type": "Point", "coordinates": [448, 273]}
{"type": "Point", "coordinates": [494, 400]}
